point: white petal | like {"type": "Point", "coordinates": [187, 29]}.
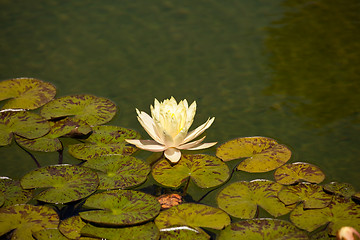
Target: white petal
{"type": "Point", "coordinates": [202, 146]}
{"type": "Point", "coordinates": [149, 145]}
{"type": "Point", "coordinates": [190, 144]}
{"type": "Point", "coordinates": [148, 124]}
{"type": "Point", "coordinates": [199, 130]}
{"type": "Point", "coordinates": [172, 154]}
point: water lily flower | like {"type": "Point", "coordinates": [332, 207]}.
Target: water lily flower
{"type": "Point", "coordinates": [168, 126]}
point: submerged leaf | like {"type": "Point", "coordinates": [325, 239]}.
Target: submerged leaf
{"type": "Point", "coordinates": [343, 189]}
{"type": "Point", "coordinates": [13, 193]}
{"type": "Point", "coordinates": [296, 172]}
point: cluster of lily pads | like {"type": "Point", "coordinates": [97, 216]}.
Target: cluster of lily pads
{"type": "Point", "coordinates": [96, 199]}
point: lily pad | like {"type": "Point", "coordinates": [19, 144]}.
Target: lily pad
{"type": "Point", "coordinates": [241, 199]}
{"type": "Point", "coordinates": [49, 233]}
{"type": "Point", "coordinates": [262, 154]}
{"type": "Point", "coordinates": [340, 212]}
{"type": "Point", "coordinates": [182, 233]}
{"type": "Point", "coordinates": [65, 183]}
{"type": "Point", "coordinates": [91, 109]}
{"type": "Point", "coordinates": [119, 171]}
{"type": "Point", "coordinates": [13, 193]}
{"type": "Point", "coordinates": [25, 219]}
{"type": "Point", "coordinates": [146, 231]}
{"type": "Point", "coordinates": [206, 171]}
{"type": "Point", "coordinates": [296, 172]}
{"type": "Point", "coordinates": [71, 227]}
{"type": "Point", "coordinates": [312, 196]}
{"type": "Point", "coordinates": [343, 189]}
{"type": "Point", "coordinates": [192, 215]}
{"type": "Point", "coordinates": [263, 228]}
{"type": "Point", "coordinates": [105, 140]}
{"type": "Point", "coordinates": [22, 123]}
{"type": "Point", "coordinates": [121, 207]}
{"type": "Point", "coordinates": [26, 93]}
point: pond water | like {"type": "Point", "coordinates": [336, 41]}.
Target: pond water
{"type": "Point", "coordinates": [283, 69]}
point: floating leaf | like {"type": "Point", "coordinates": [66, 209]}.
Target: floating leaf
{"type": "Point", "coordinates": [49, 233]}
{"type": "Point", "coordinates": [65, 183]}
{"type": "Point", "coordinates": [26, 93]}
{"type": "Point", "coordinates": [22, 123]}
{"type": "Point", "coordinates": [182, 233]}
{"type": "Point", "coordinates": [312, 196]}
{"type": "Point", "coordinates": [192, 215]}
{"type": "Point", "coordinates": [262, 154]}
{"type": "Point", "coordinates": [340, 212]}
{"type": "Point", "coordinates": [206, 171]}
{"type": "Point", "coordinates": [91, 109]}
{"type": "Point", "coordinates": [263, 228]}
{"type": "Point", "coordinates": [119, 171]}
{"type": "Point", "coordinates": [13, 193]}
{"type": "Point", "coordinates": [343, 189]}
{"type": "Point", "coordinates": [296, 172]}
{"type": "Point", "coordinates": [71, 227]}
{"type": "Point", "coordinates": [26, 219]}
{"type": "Point", "coordinates": [105, 140]}
{"type": "Point", "coordinates": [356, 196]}
{"type": "Point", "coordinates": [121, 207]}
{"type": "Point", "coordinates": [241, 199]}
{"type": "Point", "coordinates": [146, 231]}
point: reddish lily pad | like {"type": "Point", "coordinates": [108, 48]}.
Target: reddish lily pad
{"type": "Point", "coordinates": [119, 171]}
{"type": "Point", "coordinates": [340, 212]}
{"type": "Point", "coordinates": [146, 231]}
{"type": "Point", "coordinates": [182, 233]}
{"type": "Point", "coordinates": [263, 228]}
{"type": "Point", "coordinates": [206, 171]}
{"type": "Point", "coordinates": [262, 154]}
{"type": "Point", "coordinates": [105, 140]}
{"type": "Point", "coordinates": [91, 109]}
{"type": "Point", "coordinates": [13, 193]}
{"type": "Point", "coordinates": [22, 123]}
{"type": "Point", "coordinates": [65, 183]}
{"type": "Point", "coordinates": [26, 93]}
{"type": "Point", "coordinates": [312, 196]}
{"type": "Point", "coordinates": [121, 207]}
{"type": "Point", "coordinates": [25, 219]}
{"type": "Point", "coordinates": [343, 189]}
{"type": "Point", "coordinates": [297, 172]}
{"type": "Point", "coordinates": [71, 227]}
{"type": "Point", "coordinates": [241, 199]}
{"type": "Point", "coordinates": [193, 215]}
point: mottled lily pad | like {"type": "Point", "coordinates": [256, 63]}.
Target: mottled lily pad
{"type": "Point", "coordinates": [26, 93]}
{"type": "Point", "coordinates": [71, 227]}
{"type": "Point", "coordinates": [343, 189]}
{"type": "Point", "coordinates": [22, 123]}
{"type": "Point", "coordinates": [312, 196]}
{"type": "Point", "coordinates": [262, 154]}
{"type": "Point", "coordinates": [49, 233]}
{"type": "Point", "coordinates": [297, 172]}
{"type": "Point", "coordinates": [182, 233]}
{"type": "Point", "coordinates": [241, 199]}
{"type": "Point", "coordinates": [206, 171]}
{"type": "Point", "coordinates": [121, 207]}
{"type": "Point", "coordinates": [146, 231]}
{"type": "Point", "coordinates": [91, 109]}
{"type": "Point", "coordinates": [265, 228]}
{"type": "Point", "coordinates": [340, 212]}
{"type": "Point", "coordinates": [119, 171]}
{"type": "Point", "coordinates": [13, 193]}
{"type": "Point", "coordinates": [105, 140]}
{"type": "Point", "coordinates": [192, 215]}
{"type": "Point", "coordinates": [26, 219]}
{"type": "Point", "coordinates": [64, 183]}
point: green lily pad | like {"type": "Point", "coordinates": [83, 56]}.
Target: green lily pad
{"type": "Point", "coordinates": [262, 154]}
{"type": "Point", "coordinates": [119, 171]}
{"type": "Point", "coordinates": [64, 183]}
{"type": "Point", "coordinates": [91, 109]}
{"type": "Point", "coordinates": [105, 140]}
{"type": "Point", "coordinates": [22, 123]}
{"type": "Point", "coordinates": [182, 233]}
{"type": "Point", "coordinates": [312, 196]}
{"type": "Point", "coordinates": [50, 142]}
{"type": "Point", "coordinates": [13, 193]}
{"type": "Point", "coordinates": [192, 215]}
{"type": "Point", "coordinates": [356, 196]}
{"type": "Point", "coordinates": [26, 219]}
{"type": "Point", "coordinates": [49, 233]}
{"type": "Point", "coordinates": [206, 171]}
{"type": "Point", "coordinates": [263, 228]}
{"type": "Point", "coordinates": [26, 93]}
{"type": "Point", "coordinates": [71, 227]}
{"type": "Point", "coordinates": [340, 212]}
{"type": "Point", "coordinates": [146, 231]}
{"type": "Point", "coordinates": [121, 207]}
{"type": "Point", "coordinates": [343, 189]}
{"type": "Point", "coordinates": [296, 172]}
{"type": "Point", "coordinates": [241, 199]}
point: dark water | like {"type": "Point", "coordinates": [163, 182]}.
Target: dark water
{"type": "Point", "coordinates": [285, 69]}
